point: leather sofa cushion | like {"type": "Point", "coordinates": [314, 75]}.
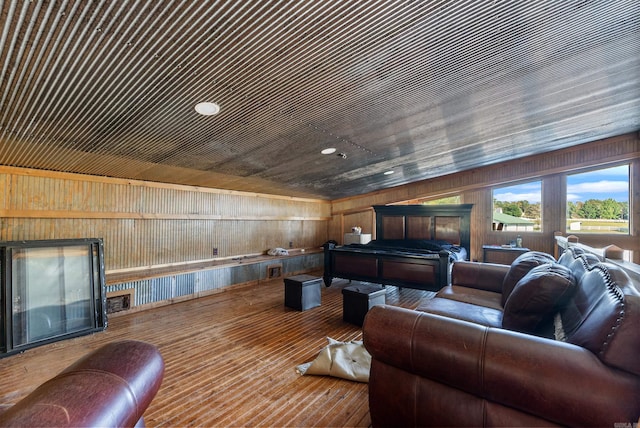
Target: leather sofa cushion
{"type": "Point", "coordinates": [537, 297]}
{"type": "Point", "coordinates": [481, 315]}
{"type": "Point", "coordinates": [520, 267]}
{"type": "Point", "coordinates": [471, 295]}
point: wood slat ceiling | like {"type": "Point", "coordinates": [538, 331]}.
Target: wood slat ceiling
{"type": "Point", "coordinates": [424, 88]}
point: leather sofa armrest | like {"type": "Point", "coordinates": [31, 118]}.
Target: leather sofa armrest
{"type": "Point", "coordinates": [111, 386]}
{"type": "Point", "coordinates": [483, 276]}
{"type": "Point", "coordinates": [544, 378]}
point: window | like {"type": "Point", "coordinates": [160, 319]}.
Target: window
{"type": "Point", "coordinates": [517, 207]}
{"type": "Point", "coordinates": [598, 201]}
{"type": "Point", "coordinates": [449, 200]}
{"type": "Point", "coordinates": [453, 200]}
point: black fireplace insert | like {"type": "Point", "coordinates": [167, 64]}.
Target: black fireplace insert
{"type": "Point", "coordinates": [51, 290]}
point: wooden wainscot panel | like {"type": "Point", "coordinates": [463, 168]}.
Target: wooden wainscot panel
{"type": "Point", "coordinates": [410, 272]}
{"type": "Point", "coordinates": [393, 227]}
{"type": "Point", "coordinates": [451, 223]}
{"type": "Point", "coordinates": [418, 227]}
{"type": "Point", "coordinates": [354, 265]}
{"type": "Point", "coordinates": [448, 229]}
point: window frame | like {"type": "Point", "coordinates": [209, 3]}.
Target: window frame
{"type": "Point", "coordinates": [588, 170]}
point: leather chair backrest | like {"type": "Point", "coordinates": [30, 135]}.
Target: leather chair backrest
{"type": "Point", "coordinates": [604, 314]}
{"type": "Point", "coordinates": [520, 267]}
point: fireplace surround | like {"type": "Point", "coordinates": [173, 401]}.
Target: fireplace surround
{"type": "Point", "coordinates": [51, 290]}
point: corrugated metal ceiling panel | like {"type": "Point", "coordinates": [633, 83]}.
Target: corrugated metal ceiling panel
{"type": "Point", "coordinates": [422, 87]}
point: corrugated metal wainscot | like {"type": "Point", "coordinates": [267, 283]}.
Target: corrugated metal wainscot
{"type": "Point", "coordinates": [153, 290]}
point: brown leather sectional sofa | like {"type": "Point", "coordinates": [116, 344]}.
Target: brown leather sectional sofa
{"type": "Point", "coordinates": [537, 343]}
{"type": "Point", "coordinates": [110, 387]}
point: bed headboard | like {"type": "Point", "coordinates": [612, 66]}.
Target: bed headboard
{"type": "Point", "coordinates": [451, 223]}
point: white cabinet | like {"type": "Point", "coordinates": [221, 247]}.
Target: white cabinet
{"type": "Point", "coordinates": [357, 238]}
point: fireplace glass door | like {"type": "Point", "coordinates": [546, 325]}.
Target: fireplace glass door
{"type": "Point", "coordinates": [54, 290]}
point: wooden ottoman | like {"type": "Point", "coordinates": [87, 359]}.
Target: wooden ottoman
{"type": "Point", "coordinates": [302, 292]}
{"type": "Point", "coordinates": [358, 299]}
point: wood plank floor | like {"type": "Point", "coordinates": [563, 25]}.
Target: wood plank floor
{"type": "Point", "coordinates": [230, 359]}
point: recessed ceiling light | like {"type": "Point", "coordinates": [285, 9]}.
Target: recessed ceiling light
{"type": "Point", "coordinates": [207, 108]}
{"type": "Point", "coordinates": [388, 172]}
{"type": "Point", "coordinates": [328, 151]}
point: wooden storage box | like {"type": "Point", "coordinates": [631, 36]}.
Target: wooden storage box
{"type": "Point", "coordinates": [302, 292]}
{"type": "Point", "coordinates": [358, 299]}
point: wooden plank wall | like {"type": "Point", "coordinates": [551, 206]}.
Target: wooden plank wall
{"type": "Point", "coordinates": [154, 224]}
{"type": "Point", "coordinates": [364, 219]}
{"type": "Point", "coordinates": [475, 187]}
{"type": "Point", "coordinates": [151, 224]}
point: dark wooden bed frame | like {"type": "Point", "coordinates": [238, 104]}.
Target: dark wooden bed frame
{"type": "Point", "coordinates": [429, 271]}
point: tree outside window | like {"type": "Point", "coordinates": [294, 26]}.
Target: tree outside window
{"type": "Point", "coordinates": [598, 201]}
